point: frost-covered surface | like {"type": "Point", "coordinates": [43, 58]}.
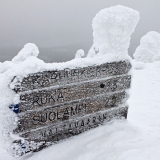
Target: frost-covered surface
{"type": "Point", "coordinates": [80, 53]}
{"type": "Point", "coordinates": [91, 52]}
{"type": "Point", "coordinates": [138, 64]}
{"type": "Point", "coordinates": [7, 117]}
{"type": "Point", "coordinates": [112, 28]}
{"type": "Point", "coordinates": [33, 65]}
{"type": "Point", "coordinates": [29, 49]}
{"type": "Point", "coordinates": [137, 138]}
{"type": "Point", "coordinates": [30, 64]}
{"type": "Point", "coordinates": [149, 48]}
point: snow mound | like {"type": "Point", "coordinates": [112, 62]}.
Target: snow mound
{"type": "Point", "coordinates": [5, 66]}
{"type": "Point", "coordinates": [149, 49]}
{"type": "Point", "coordinates": [138, 65]}
{"type": "Point", "coordinates": [29, 49]}
{"type": "Point", "coordinates": [79, 53]}
{"type": "Point", "coordinates": [112, 28]}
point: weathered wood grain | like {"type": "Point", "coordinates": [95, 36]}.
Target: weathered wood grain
{"type": "Point", "coordinates": [39, 99]}
{"type": "Point", "coordinates": [67, 76]}
{"type": "Point", "coordinates": [58, 104]}
{"type": "Point", "coordinates": [60, 113]}
{"type": "Point", "coordinates": [41, 138]}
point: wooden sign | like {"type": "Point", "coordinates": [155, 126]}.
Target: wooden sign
{"type": "Point", "coordinates": [55, 105]}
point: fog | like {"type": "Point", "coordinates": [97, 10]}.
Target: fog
{"type": "Point", "coordinates": [60, 27]}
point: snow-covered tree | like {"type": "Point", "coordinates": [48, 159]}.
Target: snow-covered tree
{"type": "Point", "coordinates": [112, 28]}
{"type": "Point", "coordinates": [149, 48]}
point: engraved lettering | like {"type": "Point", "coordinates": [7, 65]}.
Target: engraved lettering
{"type": "Point", "coordinates": [94, 120]}
{"type": "Point", "coordinates": [44, 117]}
{"type": "Point", "coordinates": [36, 100]}
{"type": "Point", "coordinates": [43, 100]}
{"type": "Point", "coordinates": [36, 119]}
{"type": "Point", "coordinates": [58, 117]}
{"type": "Point", "coordinates": [52, 116]}
{"type": "Point", "coordinates": [74, 111]}
{"type": "Point", "coordinates": [76, 124]}
{"type": "Point", "coordinates": [88, 121]}
{"type": "Point", "coordinates": [82, 123]}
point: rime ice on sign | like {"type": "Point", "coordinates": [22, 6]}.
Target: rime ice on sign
{"type": "Point", "coordinates": [29, 49]}
{"type": "Point", "coordinates": [59, 103]}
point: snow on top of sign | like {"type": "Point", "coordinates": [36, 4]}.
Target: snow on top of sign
{"type": "Point", "coordinates": [149, 48]}
{"type": "Point", "coordinates": [91, 52]}
{"type": "Point", "coordinates": [33, 64]}
{"type": "Point", "coordinates": [79, 53]}
{"type": "Point", "coordinates": [112, 28]}
{"type": "Point", "coordinates": [29, 49]}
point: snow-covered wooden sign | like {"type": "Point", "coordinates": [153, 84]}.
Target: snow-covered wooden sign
{"type": "Point", "coordinates": [52, 109]}
{"type": "Point", "coordinates": [60, 100]}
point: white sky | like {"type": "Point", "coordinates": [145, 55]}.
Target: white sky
{"type": "Point", "coordinates": [51, 23]}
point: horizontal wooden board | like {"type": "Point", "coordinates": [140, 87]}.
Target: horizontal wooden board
{"type": "Point", "coordinates": [61, 113]}
{"type": "Point", "coordinates": [39, 99]}
{"type": "Point", "coordinates": [67, 76]}
{"type": "Point", "coordinates": [39, 139]}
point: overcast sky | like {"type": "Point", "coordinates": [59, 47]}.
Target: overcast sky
{"type": "Point", "coordinates": [60, 27]}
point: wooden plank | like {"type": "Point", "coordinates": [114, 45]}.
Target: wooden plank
{"type": "Point", "coordinates": [61, 113]}
{"type": "Point", "coordinates": [55, 96]}
{"type": "Point", "coordinates": [41, 138]}
{"type": "Point", "coordinates": [58, 104]}
{"type": "Point", "coordinates": [67, 76]}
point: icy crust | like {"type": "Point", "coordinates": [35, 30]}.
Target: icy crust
{"type": "Point", "coordinates": [7, 117]}
{"type": "Point", "coordinates": [29, 49]}
{"type": "Point", "coordinates": [33, 65]}
{"type": "Point", "coordinates": [112, 28]}
{"type": "Point", "coordinates": [149, 48]}
{"type": "Point", "coordinates": [79, 53]}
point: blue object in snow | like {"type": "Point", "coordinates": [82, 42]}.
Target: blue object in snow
{"type": "Point", "coordinates": [15, 108]}
{"type": "Point", "coordinates": [23, 145]}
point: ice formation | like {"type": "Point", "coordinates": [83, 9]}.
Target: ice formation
{"type": "Point", "coordinates": [91, 52]}
{"type": "Point", "coordinates": [5, 66]}
{"type": "Point", "coordinates": [29, 49]}
{"type": "Point", "coordinates": [112, 28]}
{"type": "Point", "coordinates": [149, 49]}
{"type": "Point", "coordinates": [79, 53]}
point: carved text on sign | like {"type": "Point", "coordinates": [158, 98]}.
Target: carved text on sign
{"type": "Point", "coordinates": [75, 126]}
{"type": "Point", "coordinates": [38, 99]}
{"type": "Point", "coordinates": [55, 105]}
{"type": "Point", "coordinates": [57, 114]}
{"type": "Point", "coordinates": [68, 76]}
{"type": "Point", "coordinates": [42, 138]}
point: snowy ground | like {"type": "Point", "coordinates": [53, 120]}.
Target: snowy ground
{"type": "Point", "coordinates": [137, 138]}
